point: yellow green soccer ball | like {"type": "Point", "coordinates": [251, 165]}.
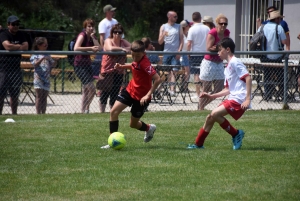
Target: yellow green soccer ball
{"type": "Point", "coordinates": [117, 140]}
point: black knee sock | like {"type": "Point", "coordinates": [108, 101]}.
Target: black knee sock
{"type": "Point", "coordinates": [144, 127]}
{"type": "Point", "coordinates": [113, 126]}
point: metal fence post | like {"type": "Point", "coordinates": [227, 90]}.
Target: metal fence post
{"type": "Point", "coordinates": [285, 80]}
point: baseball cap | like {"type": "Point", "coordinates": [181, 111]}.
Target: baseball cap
{"type": "Point", "coordinates": [12, 18]}
{"type": "Point", "coordinates": [185, 23]}
{"type": "Point", "coordinates": [108, 8]}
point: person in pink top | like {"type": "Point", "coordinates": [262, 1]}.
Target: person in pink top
{"type": "Point", "coordinates": [237, 86]}
{"type": "Point", "coordinates": [212, 68]}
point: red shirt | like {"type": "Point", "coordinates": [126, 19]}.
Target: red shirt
{"type": "Point", "coordinates": [141, 81]}
{"type": "Point", "coordinates": [213, 32]}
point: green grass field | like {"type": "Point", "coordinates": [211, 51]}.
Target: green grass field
{"type": "Point", "coordinates": [58, 157]}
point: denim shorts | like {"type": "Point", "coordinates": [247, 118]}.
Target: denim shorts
{"type": "Point", "coordinates": [171, 60]}
{"type": "Point", "coordinates": [184, 60]}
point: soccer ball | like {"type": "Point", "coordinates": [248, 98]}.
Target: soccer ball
{"type": "Point", "coordinates": [116, 140]}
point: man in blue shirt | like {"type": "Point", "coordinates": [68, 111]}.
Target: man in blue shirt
{"type": "Point", "coordinates": [275, 39]}
{"type": "Point", "coordinates": [282, 23]}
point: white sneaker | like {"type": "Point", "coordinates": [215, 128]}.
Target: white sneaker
{"type": "Point", "coordinates": [105, 147]}
{"type": "Point", "coordinates": [172, 93]}
{"type": "Point", "coordinates": [149, 134]}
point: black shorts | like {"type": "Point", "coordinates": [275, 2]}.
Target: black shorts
{"type": "Point", "coordinates": [84, 73]}
{"type": "Point", "coordinates": [137, 110]}
{"type": "Point", "coordinates": [11, 82]}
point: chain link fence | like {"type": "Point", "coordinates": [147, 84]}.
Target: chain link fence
{"type": "Point", "coordinates": [275, 85]}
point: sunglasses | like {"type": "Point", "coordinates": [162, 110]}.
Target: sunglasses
{"type": "Point", "coordinates": [117, 32]}
{"type": "Point", "coordinates": [15, 24]}
{"type": "Point", "coordinates": [225, 24]}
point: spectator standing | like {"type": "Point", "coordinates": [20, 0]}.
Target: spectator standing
{"type": "Point", "coordinates": [42, 68]}
{"type": "Point", "coordinates": [273, 44]}
{"type": "Point", "coordinates": [238, 85]}
{"type": "Point", "coordinates": [104, 28]}
{"type": "Point", "coordinates": [197, 43]}
{"type": "Point", "coordinates": [10, 72]}
{"type": "Point", "coordinates": [282, 23]}
{"type": "Point", "coordinates": [82, 63]}
{"type": "Point", "coordinates": [106, 24]}
{"type": "Point", "coordinates": [137, 94]}
{"type": "Point", "coordinates": [110, 78]}
{"type": "Point", "coordinates": [212, 67]}
{"type": "Point", "coordinates": [184, 60]}
{"type": "Point", "coordinates": [208, 21]}
{"type": "Point", "coordinates": [171, 35]}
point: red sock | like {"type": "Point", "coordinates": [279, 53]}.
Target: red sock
{"type": "Point", "coordinates": [229, 128]}
{"type": "Point", "coordinates": [201, 137]}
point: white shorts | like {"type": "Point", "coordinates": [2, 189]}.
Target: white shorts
{"type": "Point", "coordinates": [210, 71]}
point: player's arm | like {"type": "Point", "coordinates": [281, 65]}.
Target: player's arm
{"type": "Point", "coordinates": [156, 81]}
{"type": "Point", "coordinates": [246, 103]}
{"type": "Point", "coordinates": [222, 93]}
{"type": "Point", "coordinates": [120, 66]}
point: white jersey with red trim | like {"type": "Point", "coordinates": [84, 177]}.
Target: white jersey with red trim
{"type": "Point", "coordinates": [235, 74]}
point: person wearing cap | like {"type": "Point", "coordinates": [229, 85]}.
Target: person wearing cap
{"type": "Point", "coordinates": [208, 21]}
{"type": "Point", "coordinates": [273, 44]}
{"type": "Point", "coordinates": [197, 43]}
{"type": "Point", "coordinates": [10, 72]}
{"type": "Point", "coordinates": [282, 23]}
{"type": "Point", "coordinates": [171, 35]}
{"type": "Point", "coordinates": [106, 24]}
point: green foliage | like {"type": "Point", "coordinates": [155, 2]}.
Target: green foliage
{"type": "Point", "coordinates": [58, 157]}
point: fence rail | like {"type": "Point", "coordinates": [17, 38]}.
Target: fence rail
{"type": "Point", "coordinates": [274, 85]}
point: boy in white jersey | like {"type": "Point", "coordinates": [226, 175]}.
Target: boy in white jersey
{"type": "Point", "coordinates": [238, 85]}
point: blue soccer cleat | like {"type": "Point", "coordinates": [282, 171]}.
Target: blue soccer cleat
{"type": "Point", "coordinates": [237, 140]}
{"type": "Point", "coordinates": [193, 146]}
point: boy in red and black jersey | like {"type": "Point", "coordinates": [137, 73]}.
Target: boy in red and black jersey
{"type": "Point", "coordinates": [137, 94]}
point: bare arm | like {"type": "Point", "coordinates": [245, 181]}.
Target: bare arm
{"type": "Point", "coordinates": [120, 66]}
{"type": "Point", "coordinates": [79, 42]}
{"type": "Point", "coordinates": [258, 23]}
{"type": "Point", "coordinates": [162, 35]}
{"type": "Point", "coordinates": [109, 47]}
{"type": "Point", "coordinates": [288, 41]}
{"type": "Point", "coordinates": [210, 40]}
{"type": "Point", "coordinates": [189, 45]}
{"type": "Point", "coordinates": [246, 103]}
{"type": "Point", "coordinates": [96, 42]}
{"type": "Point", "coordinates": [102, 38]}
{"type": "Point", "coordinates": [15, 47]}
{"type": "Point", "coordinates": [156, 82]}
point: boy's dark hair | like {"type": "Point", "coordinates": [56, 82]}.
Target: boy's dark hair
{"type": "Point", "coordinates": [227, 42]}
{"type": "Point", "coordinates": [146, 41]}
{"type": "Point", "coordinates": [137, 46]}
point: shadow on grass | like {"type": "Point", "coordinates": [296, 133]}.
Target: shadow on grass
{"type": "Point", "coordinates": [265, 149]}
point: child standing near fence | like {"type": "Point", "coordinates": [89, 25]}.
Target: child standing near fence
{"type": "Point", "coordinates": [42, 67]}
{"type": "Point", "coordinates": [137, 94]}
{"type": "Point", "coordinates": [238, 85]}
